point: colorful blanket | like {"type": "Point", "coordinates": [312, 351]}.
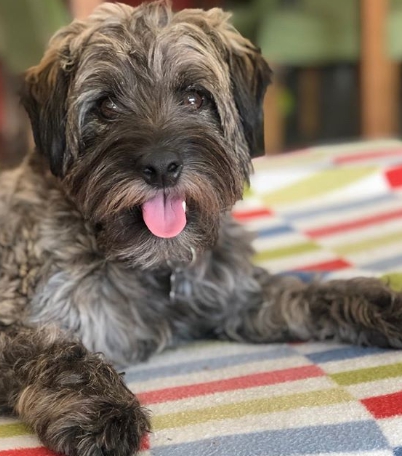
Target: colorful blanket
{"type": "Point", "coordinates": [329, 211]}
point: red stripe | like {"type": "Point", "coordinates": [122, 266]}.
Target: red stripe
{"type": "Point", "coordinates": [332, 265]}
{"type": "Point", "coordinates": [384, 406]}
{"type": "Point", "coordinates": [145, 443]}
{"type": "Point", "coordinates": [394, 177]}
{"type": "Point", "coordinates": [247, 215]}
{"type": "Point", "coordinates": [41, 451]}
{"type": "Point", "coordinates": [368, 155]}
{"type": "Point", "coordinates": [373, 220]}
{"type": "Point", "coordinates": [236, 383]}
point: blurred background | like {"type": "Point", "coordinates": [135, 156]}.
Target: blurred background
{"type": "Point", "coordinates": [336, 63]}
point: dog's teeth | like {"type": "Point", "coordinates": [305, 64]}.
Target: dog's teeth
{"type": "Point", "coordinates": [184, 206]}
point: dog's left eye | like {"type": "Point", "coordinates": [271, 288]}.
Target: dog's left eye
{"type": "Point", "coordinates": [108, 108]}
{"type": "Point", "coordinates": [193, 100]}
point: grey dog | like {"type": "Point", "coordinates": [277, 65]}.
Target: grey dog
{"type": "Point", "coordinates": [116, 235]}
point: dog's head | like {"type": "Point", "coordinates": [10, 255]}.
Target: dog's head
{"type": "Point", "coordinates": [150, 119]}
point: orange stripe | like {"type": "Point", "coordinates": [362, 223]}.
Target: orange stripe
{"type": "Point", "coordinates": [236, 383]}
{"type": "Point", "coordinates": [384, 406]}
{"type": "Point", "coordinates": [332, 265]}
{"type": "Point", "coordinates": [40, 451]}
{"type": "Point", "coordinates": [394, 177]}
{"type": "Point", "coordinates": [333, 229]}
{"type": "Point", "coordinates": [247, 215]}
{"type": "Point", "coordinates": [368, 155]}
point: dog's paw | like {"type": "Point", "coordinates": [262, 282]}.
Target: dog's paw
{"type": "Point", "coordinates": [97, 427]}
{"type": "Point", "coordinates": [368, 312]}
{"type": "Point", "coordinates": [79, 405]}
{"type": "Point", "coordinates": [385, 321]}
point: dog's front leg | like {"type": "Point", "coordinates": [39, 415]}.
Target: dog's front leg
{"type": "Point", "coordinates": [362, 310]}
{"type": "Point", "coordinates": [74, 400]}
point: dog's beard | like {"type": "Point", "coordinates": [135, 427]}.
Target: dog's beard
{"type": "Point", "coordinates": [127, 233]}
{"type": "Point", "coordinates": [145, 226]}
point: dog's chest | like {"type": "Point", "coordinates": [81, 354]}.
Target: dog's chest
{"type": "Point", "coordinates": [107, 306]}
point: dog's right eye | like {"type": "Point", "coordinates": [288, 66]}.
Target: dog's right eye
{"type": "Point", "coordinates": [108, 109]}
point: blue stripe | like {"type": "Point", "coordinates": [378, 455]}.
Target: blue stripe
{"type": "Point", "coordinates": [347, 437]}
{"type": "Point", "coordinates": [275, 230]}
{"type": "Point", "coordinates": [398, 451]}
{"type": "Point", "coordinates": [137, 374]}
{"type": "Point", "coordinates": [299, 215]}
{"type": "Point", "coordinates": [304, 276]}
{"type": "Point", "coordinates": [338, 354]}
{"type": "Point", "coordinates": [386, 263]}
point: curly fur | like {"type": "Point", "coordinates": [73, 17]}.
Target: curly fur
{"type": "Point", "coordinates": [80, 271]}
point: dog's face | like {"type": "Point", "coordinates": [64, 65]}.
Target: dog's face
{"type": "Point", "coordinates": [149, 119]}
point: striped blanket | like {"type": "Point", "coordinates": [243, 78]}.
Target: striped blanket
{"type": "Point", "coordinates": [329, 211]}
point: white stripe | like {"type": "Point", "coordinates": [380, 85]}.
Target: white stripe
{"type": "Point", "coordinates": [200, 351]}
{"type": "Point", "coordinates": [348, 215]}
{"type": "Point", "coordinates": [379, 387]}
{"type": "Point", "coordinates": [391, 427]}
{"type": "Point", "coordinates": [376, 254]}
{"type": "Point", "coordinates": [278, 241]}
{"type": "Point", "coordinates": [230, 397]}
{"type": "Point", "coordinates": [362, 234]}
{"type": "Point", "coordinates": [290, 419]}
{"type": "Point", "coordinates": [381, 359]}
{"type": "Point", "coordinates": [8, 420]}
{"type": "Point", "coordinates": [219, 374]}
{"type": "Point", "coordinates": [267, 182]}
{"type": "Point", "coordinates": [25, 441]}
{"type": "Point", "coordinates": [298, 261]}
{"type": "Point", "coordinates": [264, 222]}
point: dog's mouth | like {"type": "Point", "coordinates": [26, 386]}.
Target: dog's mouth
{"type": "Point", "coordinates": [165, 215]}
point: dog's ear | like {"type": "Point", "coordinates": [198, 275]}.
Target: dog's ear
{"type": "Point", "coordinates": [44, 95]}
{"type": "Point", "coordinates": [250, 77]}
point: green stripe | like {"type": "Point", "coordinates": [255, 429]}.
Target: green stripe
{"type": "Point", "coordinates": [369, 243]}
{"type": "Point", "coordinates": [14, 429]}
{"type": "Point", "coordinates": [294, 249]}
{"type": "Point", "coordinates": [393, 280]}
{"type": "Point", "coordinates": [318, 184]}
{"type": "Point", "coordinates": [252, 407]}
{"type": "Point", "coordinates": [368, 374]}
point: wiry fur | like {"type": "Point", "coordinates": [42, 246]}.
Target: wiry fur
{"type": "Point", "coordinates": [75, 253]}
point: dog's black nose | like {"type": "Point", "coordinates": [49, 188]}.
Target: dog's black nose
{"type": "Point", "coordinates": [161, 169]}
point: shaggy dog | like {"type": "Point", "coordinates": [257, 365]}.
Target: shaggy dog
{"type": "Point", "coordinates": [116, 235]}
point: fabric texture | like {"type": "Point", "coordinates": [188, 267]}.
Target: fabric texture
{"type": "Point", "coordinates": [330, 211]}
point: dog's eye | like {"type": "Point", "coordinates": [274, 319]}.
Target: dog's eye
{"type": "Point", "coordinates": [193, 100]}
{"type": "Point", "coordinates": [108, 108]}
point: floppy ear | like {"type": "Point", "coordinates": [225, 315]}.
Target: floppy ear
{"type": "Point", "coordinates": [250, 77]}
{"type": "Point", "coordinates": [43, 95]}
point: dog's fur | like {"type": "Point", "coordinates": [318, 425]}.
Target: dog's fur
{"type": "Point", "coordinates": [80, 271]}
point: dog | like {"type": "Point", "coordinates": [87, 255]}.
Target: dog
{"type": "Point", "coordinates": [116, 235]}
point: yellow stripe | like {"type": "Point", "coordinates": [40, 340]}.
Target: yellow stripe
{"type": "Point", "coordinates": [368, 374]}
{"type": "Point", "coordinates": [393, 280]}
{"type": "Point", "coordinates": [252, 407]}
{"type": "Point", "coordinates": [319, 184]}
{"type": "Point", "coordinates": [294, 249]}
{"type": "Point", "coordinates": [14, 429]}
{"type": "Point", "coordinates": [368, 243]}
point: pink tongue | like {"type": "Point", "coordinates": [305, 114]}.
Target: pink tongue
{"type": "Point", "coordinates": [164, 215]}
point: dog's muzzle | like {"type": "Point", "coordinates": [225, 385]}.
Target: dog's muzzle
{"type": "Point", "coordinates": [161, 169]}
{"type": "Point", "coordinates": [165, 213]}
